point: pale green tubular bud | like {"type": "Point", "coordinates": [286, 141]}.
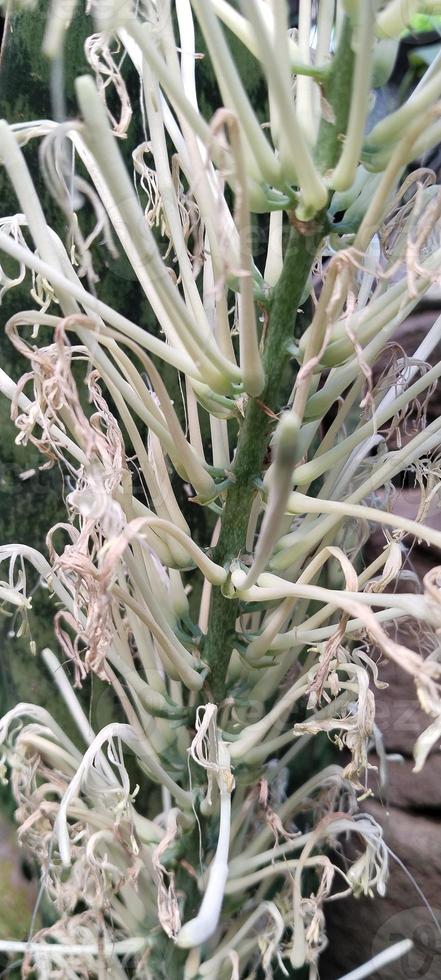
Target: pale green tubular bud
{"type": "Point", "coordinates": [285, 446]}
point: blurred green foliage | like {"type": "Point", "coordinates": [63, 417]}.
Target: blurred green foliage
{"type": "Point", "coordinates": [424, 24]}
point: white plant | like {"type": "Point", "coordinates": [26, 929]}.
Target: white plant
{"type": "Point", "coordinates": [231, 866]}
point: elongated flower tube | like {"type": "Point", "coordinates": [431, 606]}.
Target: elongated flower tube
{"type": "Point", "coordinates": [285, 445]}
{"type": "Point", "coordinates": [296, 160]}
{"type": "Point", "coordinates": [250, 360]}
{"type": "Point", "coordinates": [234, 95]}
{"type": "Point", "coordinates": [101, 144]}
{"type": "Point", "coordinates": [126, 733]}
{"type": "Point", "coordinates": [196, 932]}
{"type": "Point", "coordinates": [390, 128]}
{"type": "Point", "coordinates": [396, 16]}
{"type": "Point", "coordinates": [242, 29]}
{"type": "Point", "coordinates": [345, 171]}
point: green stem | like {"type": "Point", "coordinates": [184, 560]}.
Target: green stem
{"type": "Point", "coordinates": [257, 425]}
{"type": "Point", "coordinates": [253, 442]}
{"type": "Point", "coordinates": [337, 88]}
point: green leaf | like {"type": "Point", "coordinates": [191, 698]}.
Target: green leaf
{"type": "Point", "coordinates": [424, 24]}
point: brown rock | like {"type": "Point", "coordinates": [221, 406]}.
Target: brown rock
{"type": "Point", "coordinates": [397, 710]}
{"type": "Point", "coordinates": [405, 789]}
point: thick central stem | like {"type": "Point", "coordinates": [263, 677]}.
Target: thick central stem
{"type": "Point", "coordinates": [256, 427]}
{"type": "Point", "coordinates": [253, 443]}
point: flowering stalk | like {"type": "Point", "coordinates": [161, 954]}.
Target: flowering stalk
{"type": "Point", "coordinates": [220, 475]}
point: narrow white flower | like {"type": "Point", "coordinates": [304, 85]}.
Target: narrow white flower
{"type": "Point", "coordinates": [212, 753]}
